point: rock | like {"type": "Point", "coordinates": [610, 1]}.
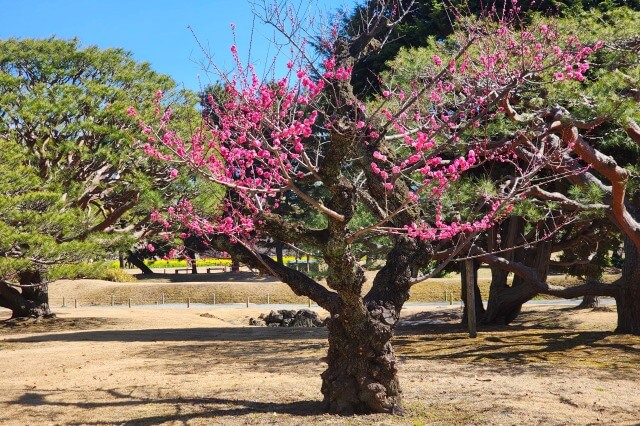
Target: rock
{"type": "Point", "coordinates": [306, 313]}
{"type": "Point", "coordinates": [257, 322]}
{"type": "Point", "coordinates": [287, 313]}
{"type": "Point", "coordinates": [288, 318]}
{"type": "Point", "coordinates": [273, 317]}
{"type": "Point", "coordinates": [301, 322]}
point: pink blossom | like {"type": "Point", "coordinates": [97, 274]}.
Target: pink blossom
{"type": "Point", "coordinates": [173, 173]}
{"type": "Point", "coordinates": [131, 112]}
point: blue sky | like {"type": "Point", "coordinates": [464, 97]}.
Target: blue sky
{"type": "Point", "coordinates": [154, 31]}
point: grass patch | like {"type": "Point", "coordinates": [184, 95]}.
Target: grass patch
{"type": "Point", "coordinates": [421, 414]}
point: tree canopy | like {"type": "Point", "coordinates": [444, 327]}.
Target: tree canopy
{"type": "Point", "coordinates": [86, 187]}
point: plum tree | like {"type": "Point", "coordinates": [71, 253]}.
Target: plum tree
{"type": "Point", "coordinates": [400, 157]}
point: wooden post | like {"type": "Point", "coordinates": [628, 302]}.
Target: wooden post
{"type": "Point", "coordinates": [188, 302]}
{"type": "Point", "coordinates": [214, 298]}
{"type": "Point", "coordinates": [75, 303]}
{"type": "Point", "coordinates": [113, 301]}
{"type": "Point", "coordinates": [471, 303]}
{"type": "Point", "coordinates": [267, 298]}
{"type": "Point", "coordinates": [451, 298]}
{"type": "Point", "coordinates": [247, 301]}
{"type": "Point", "coordinates": [163, 298]}
{"type": "Point", "coordinates": [129, 302]}
{"type": "Point", "coordinates": [64, 302]}
{"type": "Point", "coordinates": [309, 300]}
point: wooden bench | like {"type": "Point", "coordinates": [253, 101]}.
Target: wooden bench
{"type": "Point", "coordinates": [217, 268]}
{"type": "Point", "coordinates": [185, 270]}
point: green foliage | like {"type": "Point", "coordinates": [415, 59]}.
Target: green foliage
{"type": "Point", "coordinates": [37, 228]}
{"type": "Point", "coordinates": [95, 270]}
{"type": "Point", "coordinates": [74, 183]}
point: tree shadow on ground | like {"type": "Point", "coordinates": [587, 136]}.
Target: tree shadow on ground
{"type": "Point", "coordinates": [202, 334]}
{"type": "Point", "coordinates": [217, 277]}
{"type": "Point", "coordinates": [537, 339]}
{"type": "Point", "coordinates": [208, 408]}
{"type": "Point", "coordinates": [53, 324]}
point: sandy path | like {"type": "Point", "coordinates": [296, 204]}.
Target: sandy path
{"type": "Point", "coordinates": [175, 366]}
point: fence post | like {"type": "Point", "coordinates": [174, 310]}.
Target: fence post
{"type": "Point", "coordinates": [188, 302]}
{"type": "Point", "coordinates": [451, 298]}
{"type": "Point", "coordinates": [75, 302]}
{"type": "Point", "coordinates": [129, 302]}
{"type": "Point", "coordinates": [214, 298]}
{"type": "Point", "coordinates": [163, 298]}
{"type": "Point", "coordinates": [64, 302]}
{"type": "Point", "coordinates": [113, 301]}
{"type": "Point", "coordinates": [309, 301]}
{"type": "Point", "coordinates": [267, 298]}
{"type": "Point", "coordinates": [470, 302]}
{"type": "Point", "coordinates": [247, 301]}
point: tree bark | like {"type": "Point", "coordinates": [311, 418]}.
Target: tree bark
{"type": "Point", "coordinates": [507, 302]}
{"type": "Point", "coordinates": [361, 376]}
{"type": "Point", "coordinates": [589, 302]}
{"type": "Point", "coordinates": [138, 263]}
{"type": "Point", "coordinates": [628, 300]}
{"type": "Point", "coordinates": [479, 307]}
{"type": "Point", "coordinates": [279, 256]}
{"type": "Point", "coordinates": [33, 299]}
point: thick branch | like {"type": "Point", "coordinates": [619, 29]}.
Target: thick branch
{"type": "Point", "coordinates": [633, 130]}
{"type": "Point", "coordinates": [292, 232]}
{"type": "Point", "coordinates": [530, 275]}
{"type": "Point", "coordinates": [10, 298]}
{"type": "Point", "coordinates": [590, 288]}
{"type": "Point", "coordinates": [301, 284]}
{"type": "Point", "coordinates": [564, 202]}
{"type": "Point", "coordinates": [618, 177]}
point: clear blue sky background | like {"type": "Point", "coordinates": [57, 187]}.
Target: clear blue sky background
{"type": "Point", "coordinates": [154, 31]}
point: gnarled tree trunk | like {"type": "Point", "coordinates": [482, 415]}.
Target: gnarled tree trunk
{"type": "Point", "coordinates": [628, 300]}
{"type": "Point", "coordinates": [506, 304]}
{"type": "Point", "coordinates": [32, 301]}
{"type": "Point", "coordinates": [361, 376]}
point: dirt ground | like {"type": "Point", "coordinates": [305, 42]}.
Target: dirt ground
{"type": "Point", "coordinates": [205, 366]}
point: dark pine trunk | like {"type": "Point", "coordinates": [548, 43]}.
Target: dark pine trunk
{"type": "Point", "coordinates": [194, 262]}
{"type": "Point", "coordinates": [628, 301]}
{"type": "Point", "coordinates": [279, 256]}
{"type": "Point", "coordinates": [589, 302]}
{"type": "Point", "coordinates": [33, 302]}
{"type": "Point", "coordinates": [477, 296]}
{"type": "Point", "coordinates": [505, 303]}
{"type": "Point", "coordinates": [361, 376]}
{"type": "Point", "coordinates": [138, 263]}
{"type": "Point", "coordinates": [235, 265]}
